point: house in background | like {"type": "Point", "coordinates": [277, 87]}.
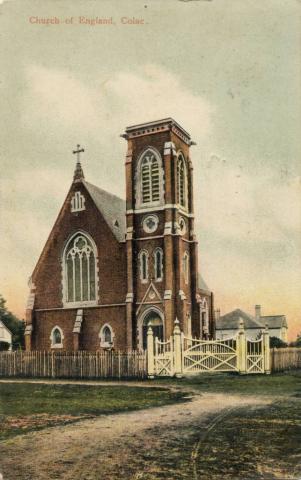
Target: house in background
{"type": "Point", "coordinates": [227, 325]}
{"type": "Point", "coordinates": [5, 337]}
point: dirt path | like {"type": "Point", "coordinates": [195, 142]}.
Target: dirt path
{"type": "Point", "coordinates": [124, 446]}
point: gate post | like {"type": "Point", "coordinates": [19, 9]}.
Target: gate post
{"type": "Point", "coordinates": [241, 350]}
{"type": "Point", "coordinates": [177, 349]}
{"type": "Point", "coordinates": [266, 350]}
{"type": "Point", "coordinates": [150, 353]}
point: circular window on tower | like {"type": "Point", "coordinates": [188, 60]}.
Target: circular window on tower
{"type": "Point", "coordinates": [150, 223]}
{"type": "Point", "coordinates": [182, 226]}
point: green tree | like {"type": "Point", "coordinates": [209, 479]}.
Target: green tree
{"type": "Point", "coordinates": [276, 342]}
{"type": "Point", "coordinates": [15, 325]}
{"type": "Point", "coordinates": [297, 343]}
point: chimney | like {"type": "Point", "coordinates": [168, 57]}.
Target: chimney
{"type": "Point", "coordinates": [257, 312]}
{"type": "Point", "coordinates": [217, 314]}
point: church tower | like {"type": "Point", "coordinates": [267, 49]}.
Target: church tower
{"type": "Point", "coordinates": [161, 247]}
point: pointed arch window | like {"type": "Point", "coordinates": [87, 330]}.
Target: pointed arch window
{"type": "Point", "coordinates": [143, 265]}
{"type": "Point", "coordinates": [204, 317]}
{"type": "Point", "coordinates": [181, 181]}
{"type": "Point", "coordinates": [186, 267]}
{"type": "Point", "coordinates": [80, 270]}
{"type": "Point", "coordinates": [158, 264]}
{"type": "Point", "coordinates": [56, 337]}
{"type": "Point", "coordinates": [106, 336]}
{"type": "Point", "coordinates": [149, 179]}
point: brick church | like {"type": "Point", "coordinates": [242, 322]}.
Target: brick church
{"type": "Point", "coordinates": [110, 267]}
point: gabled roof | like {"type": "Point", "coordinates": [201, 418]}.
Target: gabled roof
{"type": "Point", "coordinates": [231, 320]}
{"type": "Point", "coordinates": [274, 321]}
{"type": "Point", "coordinates": [111, 207]}
{"type": "Point", "coordinates": [202, 284]}
{"type": "Point", "coordinates": [2, 325]}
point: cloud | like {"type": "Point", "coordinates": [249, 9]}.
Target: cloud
{"type": "Point", "coordinates": [248, 207]}
{"type": "Point", "coordinates": [55, 99]}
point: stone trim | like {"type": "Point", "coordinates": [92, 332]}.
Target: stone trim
{"type": "Point", "coordinates": [129, 297]}
{"type": "Point", "coordinates": [182, 295]}
{"type": "Point", "coordinates": [160, 208]}
{"type": "Point", "coordinates": [169, 147]}
{"type": "Point", "coordinates": [78, 321]}
{"type": "Point", "coordinates": [87, 307]}
{"type": "Point", "coordinates": [168, 228]}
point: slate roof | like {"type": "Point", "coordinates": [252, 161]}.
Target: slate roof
{"type": "Point", "coordinates": [111, 207]}
{"type": "Point", "coordinates": [202, 284]}
{"type": "Point", "coordinates": [274, 321]}
{"type": "Point", "coordinates": [231, 321]}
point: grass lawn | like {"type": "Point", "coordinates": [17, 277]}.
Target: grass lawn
{"type": "Point", "coordinates": [28, 406]}
{"type": "Point", "coordinates": [277, 384]}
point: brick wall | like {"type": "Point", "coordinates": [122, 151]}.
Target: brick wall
{"type": "Point", "coordinates": [48, 276]}
{"type": "Point", "coordinates": [94, 319]}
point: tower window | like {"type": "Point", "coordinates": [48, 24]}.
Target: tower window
{"type": "Point", "coordinates": [149, 179]}
{"type": "Point", "coordinates": [186, 267]}
{"type": "Point", "coordinates": [181, 181]}
{"type": "Point", "coordinates": [158, 262]}
{"type": "Point", "coordinates": [143, 261]}
{"type": "Point", "coordinates": [80, 269]}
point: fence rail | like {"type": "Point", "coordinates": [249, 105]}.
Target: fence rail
{"type": "Point", "coordinates": [80, 364]}
{"type": "Point", "coordinates": [285, 358]}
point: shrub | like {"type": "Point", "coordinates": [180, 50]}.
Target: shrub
{"type": "Point", "coordinates": [276, 342]}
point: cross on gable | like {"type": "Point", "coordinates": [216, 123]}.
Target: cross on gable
{"type": "Point", "coordinates": [78, 174]}
{"type": "Point", "coordinates": [78, 151]}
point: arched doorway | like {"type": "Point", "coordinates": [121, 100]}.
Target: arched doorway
{"type": "Point", "coordinates": [153, 317]}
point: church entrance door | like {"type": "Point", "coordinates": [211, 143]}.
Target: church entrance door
{"type": "Point", "coordinates": [156, 322]}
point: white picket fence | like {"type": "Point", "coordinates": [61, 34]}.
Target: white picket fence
{"type": "Point", "coordinates": [181, 355]}
{"type": "Point", "coordinates": [81, 364]}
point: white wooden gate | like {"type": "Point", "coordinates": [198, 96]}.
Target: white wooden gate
{"type": "Point", "coordinates": [164, 358]}
{"type": "Point", "coordinates": [181, 355]}
{"type": "Point", "coordinates": [255, 356]}
{"type": "Point", "coordinates": [209, 356]}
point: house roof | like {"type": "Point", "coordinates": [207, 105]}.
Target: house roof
{"type": "Point", "coordinates": [2, 325]}
{"type": "Point", "coordinates": [274, 321]}
{"type": "Point", "coordinates": [231, 320]}
{"type": "Point", "coordinates": [111, 207]}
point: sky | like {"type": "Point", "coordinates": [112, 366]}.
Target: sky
{"type": "Point", "coordinates": [227, 70]}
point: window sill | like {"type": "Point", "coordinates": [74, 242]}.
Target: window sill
{"type": "Point", "coordinates": [156, 203]}
{"type": "Point", "coordinates": [106, 345]}
{"type": "Point", "coordinates": [92, 303]}
{"type": "Point", "coordinates": [57, 345]}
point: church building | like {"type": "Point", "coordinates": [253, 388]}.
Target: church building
{"type": "Point", "coordinates": [111, 267]}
